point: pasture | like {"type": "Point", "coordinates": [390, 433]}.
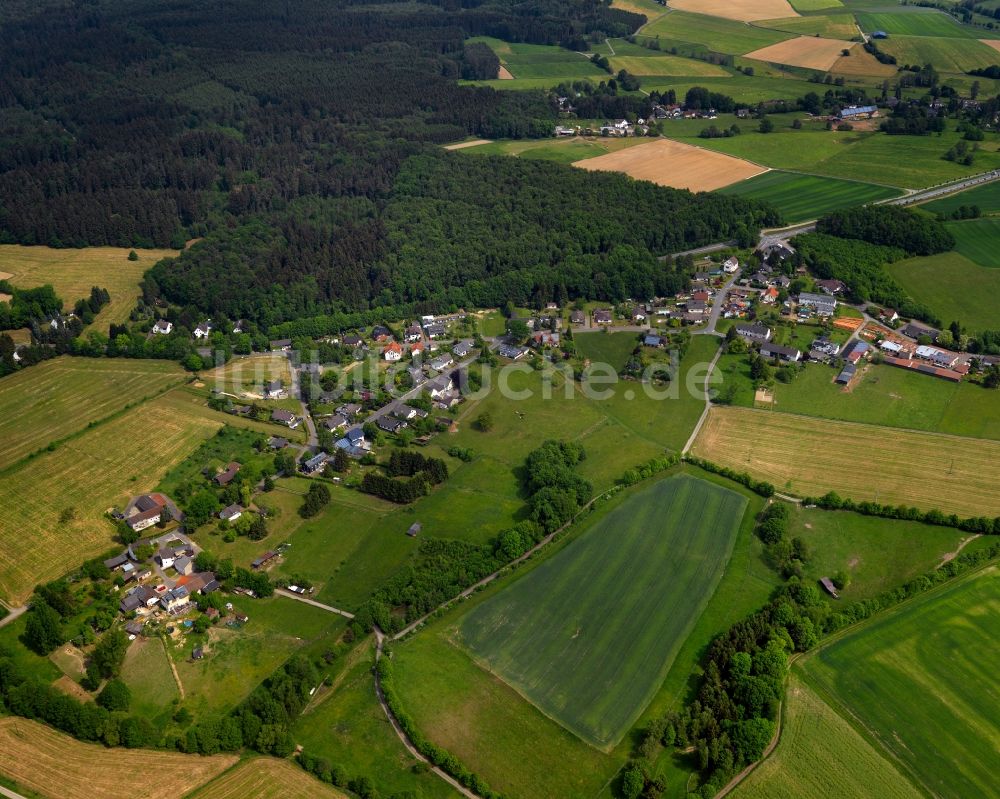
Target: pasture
{"type": "Point", "coordinates": [55, 503]}
{"type": "Point", "coordinates": [266, 778]}
{"type": "Point", "coordinates": [57, 766]}
{"type": "Point", "coordinates": [808, 52]}
{"type": "Point", "coordinates": [650, 567]}
{"type": "Point", "coordinates": [666, 66]}
{"type": "Point", "coordinates": [977, 240]}
{"type": "Point", "coordinates": [147, 673]}
{"type": "Point", "coordinates": [986, 196]}
{"type": "Point", "coordinates": [802, 197]}
{"type": "Point", "coordinates": [73, 273]}
{"type": "Point", "coordinates": [715, 33]}
{"type": "Point", "coordinates": [57, 398]}
{"type": "Point", "coordinates": [968, 293]}
{"type": "Point", "coordinates": [830, 26]}
{"type": "Point", "coordinates": [671, 163]}
{"type": "Point", "coordinates": [815, 5]}
{"type": "Point", "coordinates": [610, 348]}
{"type": "Point", "coordinates": [540, 61]}
{"type": "Point", "coordinates": [865, 462]}
{"type": "Point", "coordinates": [821, 756]}
{"type": "Point", "coordinates": [248, 373]}
{"type": "Point", "coordinates": [917, 680]}
{"type": "Point", "coordinates": [916, 23]}
{"type": "Point", "coordinates": [740, 10]}
{"type": "Point", "coordinates": [947, 54]}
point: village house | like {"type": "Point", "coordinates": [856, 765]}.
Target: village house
{"type": "Point", "coordinates": [390, 424]}
{"type": "Point", "coordinates": [163, 327]}
{"type": "Point", "coordinates": [314, 464]}
{"type": "Point", "coordinates": [822, 349]}
{"type": "Point", "coordinates": [281, 416]}
{"type": "Point", "coordinates": [462, 349]}
{"type": "Point", "coordinates": [274, 389]}
{"type": "Point", "coordinates": [349, 410]}
{"type": "Point", "coordinates": [577, 318]}
{"type": "Point", "coordinates": [230, 513]}
{"type": "Point", "coordinates": [730, 265]}
{"type": "Point", "coordinates": [545, 338]}
{"type": "Point", "coordinates": [888, 315]}
{"type": "Point", "coordinates": [353, 341]}
{"type": "Point", "coordinates": [891, 347]}
{"type": "Point", "coordinates": [224, 478]}
{"type": "Point", "coordinates": [417, 348]}
{"type": "Point", "coordinates": [334, 422]}
{"type": "Point", "coordinates": [139, 598]}
{"type": "Point", "coordinates": [638, 315]}
{"type": "Point", "coordinates": [602, 316]}
{"type": "Point", "coordinates": [183, 565]}
{"type": "Point", "coordinates": [241, 326]}
{"type": "Point", "coordinates": [831, 287]}
{"type": "Point", "coordinates": [753, 332]}
{"type": "Point", "coordinates": [393, 352]}
{"type": "Point", "coordinates": [440, 385]}
{"type": "Point", "coordinates": [858, 351]}
{"type": "Point", "coordinates": [277, 442]}
{"type": "Point", "coordinates": [441, 363]}
{"type": "Point", "coordinates": [413, 333]}
{"type": "Point", "coordinates": [915, 331]}
{"type": "Point", "coordinates": [409, 412]}
{"type": "Point", "coordinates": [769, 296]}
{"type": "Point", "coordinates": [511, 351]}
{"type": "Point", "coordinates": [176, 600]}
{"type": "Point", "coordinates": [145, 511]}
{"type": "Point", "coordinates": [435, 330]}
{"type": "Point", "coordinates": [354, 442]}
{"type": "Point", "coordinates": [381, 333]}
{"type": "Point", "coordinates": [203, 330]}
{"type": "Point", "coordinates": [782, 353]}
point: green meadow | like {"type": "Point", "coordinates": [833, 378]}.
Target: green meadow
{"type": "Point", "coordinates": [802, 197]}
{"type": "Point", "coordinates": [953, 287]}
{"type": "Point", "coordinates": [978, 240]}
{"type": "Point", "coordinates": [916, 23]}
{"type": "Point", "coordinates": [916, 680]}
{"type": "Point", "coordinates": [947, 54]}
{"type": "Point", "coordinates": [715, 33]}
{"type": "Point", "coordinates": [610, 348]}
{"type": "Point", "coordinates": [986, 196]}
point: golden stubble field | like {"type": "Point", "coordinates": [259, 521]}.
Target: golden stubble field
{"type": "Point", "coordinates": [740, 10]}
{"type": "Point", "coordinates": [73, 273]}
{"type": "Point", "coordinates": [810, 52]}
{"type": "Point", "coordinates": [267, 778]}
{"type": "Point", "coordinates": [672, 163]}
{"type": "Point", "coordinates": [54, 765]}
{"type": "Point", "coordinates": [808, 456]}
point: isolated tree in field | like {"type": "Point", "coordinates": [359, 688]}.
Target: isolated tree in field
{"type": "Point", "coordinates": [133, 255]}
{"type": "Point", "coordinates": [109, 653]}
{"type": "Point", "coordinates": [766, 125]}
{"type": "Point", "coordinates": [43, 631]}
{"type": "Point", "coordinates": [316, 499]}
{"type": "Point", "coordinates": [484, 422]}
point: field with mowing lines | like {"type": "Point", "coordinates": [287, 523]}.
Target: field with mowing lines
{"type": "Point", "coordinates": [863, 462]}
{"type": "Point", "coordinates": [56, 398]}
{"type": "Point", "coordinates": [977, 240]}
{"type": "Point", "coordinates": [919, 680]}
{"type": "Point", "coordinates": [916, 23]}
{"type": "Point", "coordinates": [815, 5]}
{"type": "Point", "coordinates": [54, 504]}
{"type": "Point", "coordinates": [947, 54]}
{"type": "Point", "coordinates": [987, 197]}
{"type": "Point", "coordinates": [73, 273]}
{"type": "Point", "coordinates": [953, 287]}
{"type": "Point", "coordinates": [821, 756]}
{"type": "Point", "coordinates": [650, 566]}
{"type": "Point", "coordinates": [542, 61]}
{"type": "Point", "coordinates": [671, 163]}
{"type": "Point", "coordinates": [740, 10]}
{"type": "Point", "coordinates": [54, 765]}
{"type": "Point", "coordinates": [809, 52]}
{"type": "Point", "coordinates": [248, 373]}
{"type": "Point", "coordinates": [831, 26]}
{"type": "Point", "coordinates": [715, 33]}
{"type": "Point", "coordinates": [147, 673]}
{"type": "Point", "coordinates": [267, 778]}
{"type": "Point", "coordinates": [802, 197]}
{"type": "Point", "coordinates": [667, 66]}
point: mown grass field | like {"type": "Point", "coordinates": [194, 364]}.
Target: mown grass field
{"type": "Point", "coordinates": [534, 61]}
{"type": "Point", "coordinates": [147, 673]}
{"type": "Point", "coordinates": [73, 273]}
{"type": "Point", "coordinates": [249, 373]}
{"type": "Point", "coordinates": [953, 287]}
{"type": "Point", "coordinates": [821, 756]}
{"type": "Point", "coordinates": [266, 778]}
{"type": "Point", "coordinates": [831, 26]}
{"type": "Point", "coordinates": [802, 197]}
{"type": "Point", "coordinates": [916, 23]}
{"type": "Point", "coordinates": [56, 766]}
{"type": "Point", "coordinates": [865, 462]}
{"type": "Point", "coordinates": [666, 65]}
{"type": "Point", "coordinates": [977, 240]}
{"type": "Point", "coordinates": [918, 679]}
{"type": "Point", "coordinates": [715, 33]}
{"type": "Point", "coordinates": [878, 554]}
{"type": "Point", "coordinates": [610, 348]}
{"type": "Point", "coordinates": [564, 151]}
{"type": "Point", "coordinates": [650, 568]}
{"type": "Point", "coordinates": [986, 196]}
{"type": "Point", "coordinates": [54, 504]}
{"type": "Point", "coordinates": [57, 398]}
{"type": "Point", "coordinates": [947, 54]}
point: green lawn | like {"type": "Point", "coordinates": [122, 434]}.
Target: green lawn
{"type": "Point", "coordinates": [953, 287]}
{"type": "Point", "coordinates": [947, 54]}
{"type": "Point", "coordinates": [978, 240]}
{"type": "Point", "coordinates": [878, 554]}
{"type": "Point", "coordinates": [147, 673]}
{"type": "Point", "coordinates": [918, 679]}
{"type": "Point", "coordinates": [917, 23]}
{"type": "Point", "coordinates": [821, 756]}
{"type": "Point", "coordinates": [613, 349]}
{"type": "Point", "coordinates": [986, 196]}
{"type": "Point", "coordinates": [715, 33]}
{"type": "Point", "coordinates": [649, 568]}
{"type": "Point", "coordinates": [803, 197]}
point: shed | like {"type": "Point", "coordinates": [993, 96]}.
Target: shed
{"type": "Point", "coordinates": [414, 530]}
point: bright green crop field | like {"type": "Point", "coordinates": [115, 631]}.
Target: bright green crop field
{"type": "Point", "coordinates": [803, 197]}
{"type": "Point", "coordinates": [947, 54]}
{"type": "Point", "coordinates": [917, 23]}
{"type": "Point", "coordinates": [593, 659]}
{"type": "Point", "coordinates": [978, 240]}
{"type": "Point", "coordinates": [918, 680]}
{"type": "Point", "coordinates": [953, 287]}
{"type": "Point", "coordinates": [987, 197]}
{"type": "Point", "coordinates": [721, 35]}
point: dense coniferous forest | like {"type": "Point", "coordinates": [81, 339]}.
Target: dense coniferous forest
{"type": "Point", "coordinates": [297, 139]}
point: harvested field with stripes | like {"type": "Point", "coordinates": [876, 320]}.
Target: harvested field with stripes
{"type": "Point", "coordinates": [809, 456]}
{"type": "Point", "coordinates": [740, 10]}
{"type": "Point", "coordinates": [54, 765]}
{"type": "Point", "coordinates": [267, 778]}
{"type": "Point", "coordinates": [804, 51]}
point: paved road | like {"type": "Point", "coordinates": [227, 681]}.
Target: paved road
{"type": "Point", "coordinates": [706, 409]}
{"type": "Point", "coordinates": [12, 615]}
{"type": "Point", "coordinates": [9, 794]}
{"type": "Point", "coordinates": [314, 603]}
{"type": "Point", "coordinates": [716, 312]}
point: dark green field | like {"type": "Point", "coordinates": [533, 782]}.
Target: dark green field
{"type": "Point", "coordinates": [588, 636]}
{"type": "Point", "coordinates": [922, 681]}
{"type": "Point", "coordinates": [978, 240]}
{"type": "Point", "coordinates": [804, 197]}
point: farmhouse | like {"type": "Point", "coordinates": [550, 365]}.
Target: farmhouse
{"type": "Point", "coordinates": [786, 354]}
{"type": "Point", "coordinates": [176, 600]}
{"type": "Point", "coordinates": [938, 357]}
{"type": "Point", "coordinates": [145, 511]}
{"type": "Point", "coordinates": [281, 416]}
{"type": "Point", "coordinates": [224, 478]}
{"type": "Point", "coordinates": [821, 304]}
{"type": "Point", "coordinates": [230, 513]}
{"type": "Point", "coordinates": [163, 327]}
{"type": "Point", "coordinates": [754, 332]}
{"type": "Point", "coordinates": [274, 389]}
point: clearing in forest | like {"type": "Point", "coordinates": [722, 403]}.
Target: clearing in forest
{"type": "Point", "coordinates": [810, 52]}
{"type": "Point", "coordinates": [862, 461]}
{"type": "Point", "coordinates": [740, 10]}
{"type": "Point", "coordinates": [55, 765]}
{"type": "Point", "coordinates": [650, 566]}
{"type": "Point", "coordinates": [672, 163]}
